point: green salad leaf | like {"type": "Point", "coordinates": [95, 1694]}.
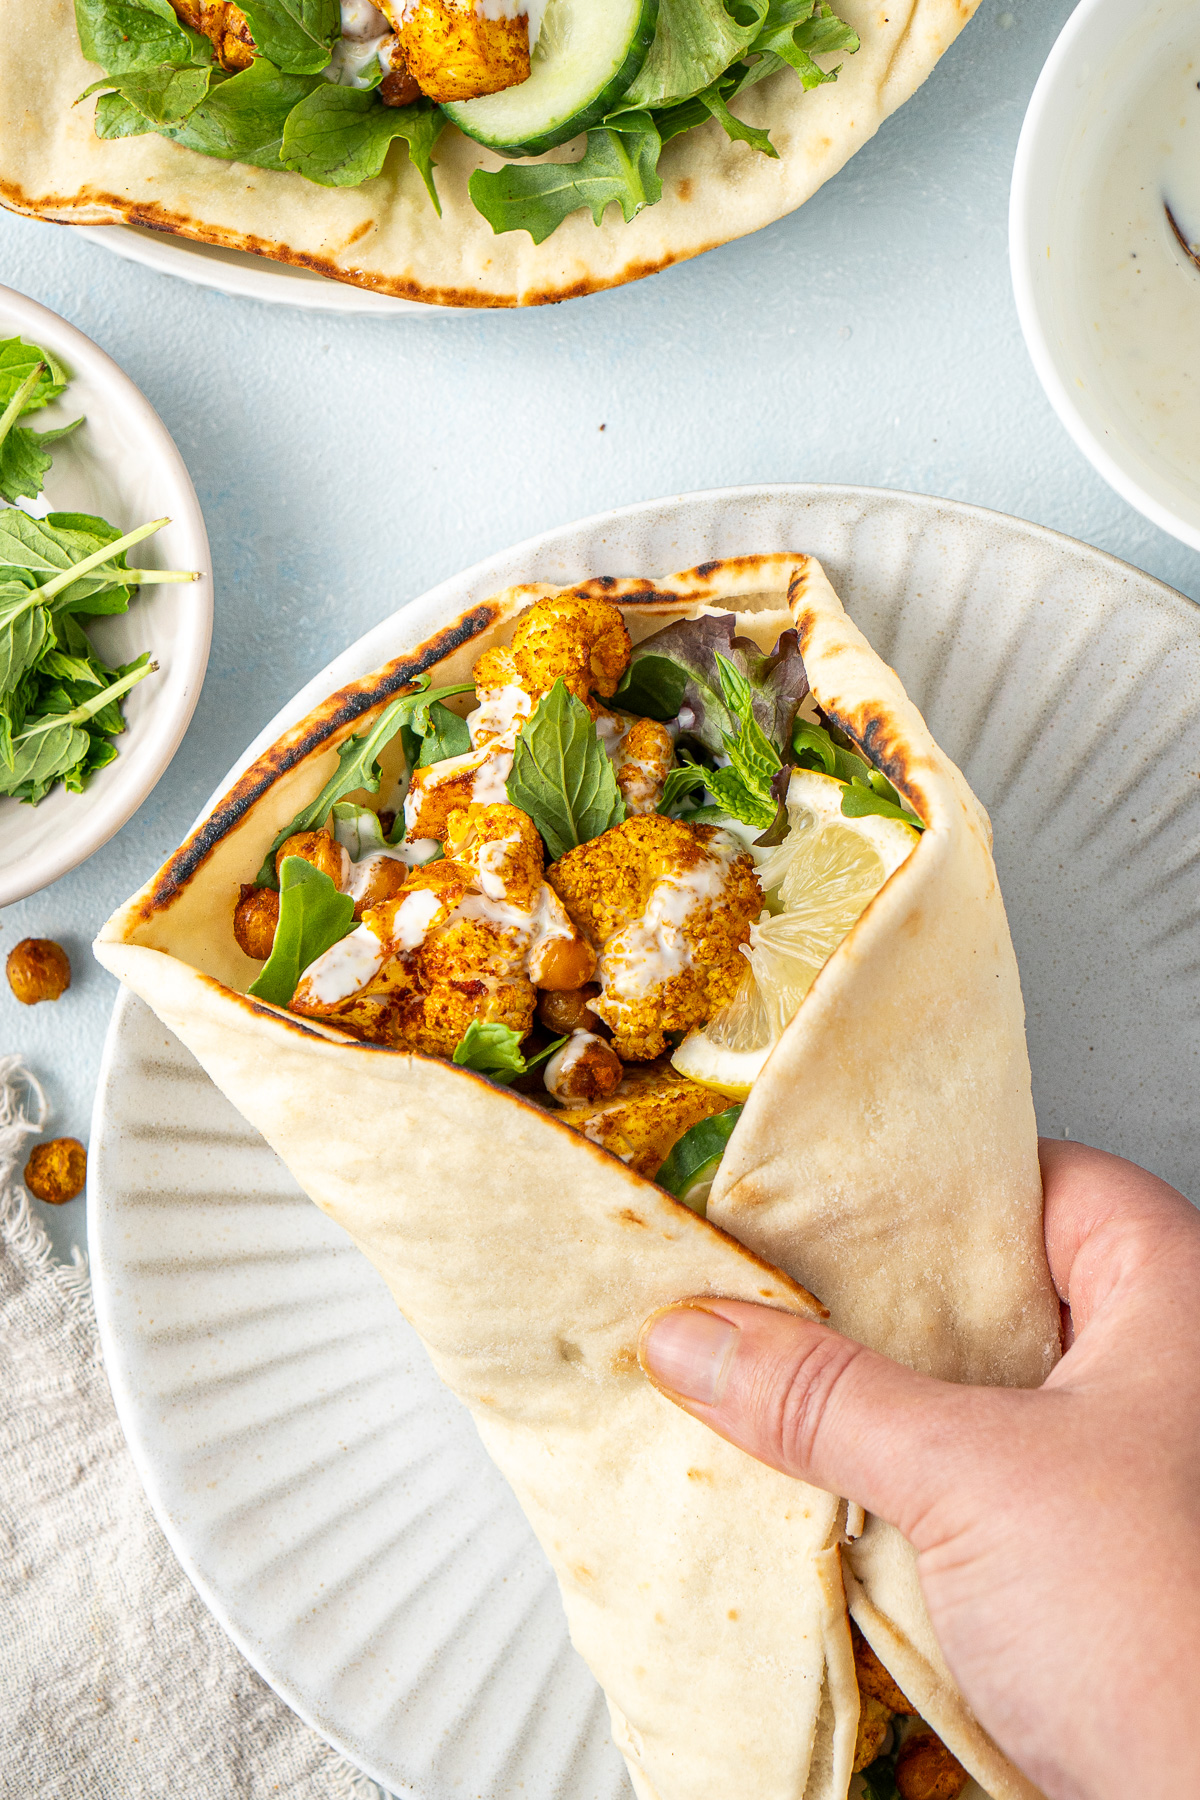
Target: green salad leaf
{"type": "Point", "coordinates": [879, 1778]}
{"type": "Point", "coordinates": [689, 1170]}
{"type": "Point", "coordinates": [164, 95]}
{"type": "Point", "coordinates": [868, 791]}
{"type": "Point", "coordinates": [358, 766]}
{"type": "Point", "coordinates": [56, 744]}
{"type": "Point", "coordinates": [357, 829]}
{"type": "Point", "coordinates": [561, 774]}
{"type": "Point", "coordinates": [128, 35]}
{"type": "Point", "coordinates": [296, 35]}
{"type": "Point", "coordinates": [745, 787]}
{"type": "Point", "coordinates": [688, 778]}
{"type": "Point", "coordinates": [339, 137]}
{"type": "Point", "coordinates": [620, 164]}
{"type": "Point", "coordinates": [441, 732]}
{"type": "Point", "coordinates": [23, 457]}
{"type": "Point", "coordinates": [676, 674]}
{"type": "Point", "coordinates": [695, 41]}
{"type": "Point", "coordinates": [243, 116]}
{"type": "Point", "coordinates": [18, 361]}
{"type": "Point", "coordinates": [494, 1050]}
{"type": "Point", "coordinates": [313, 916]}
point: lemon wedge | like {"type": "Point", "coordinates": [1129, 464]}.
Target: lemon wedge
{"type": "Point", "coordinates": [816, 884]}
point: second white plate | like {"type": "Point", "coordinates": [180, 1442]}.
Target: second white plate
{"type": "Point", "coordinates": [330, 1500]}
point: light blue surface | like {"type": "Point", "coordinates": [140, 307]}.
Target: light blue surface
{"type": "Point", "coordinates": [346, 465]}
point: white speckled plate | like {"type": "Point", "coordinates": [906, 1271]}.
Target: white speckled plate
{"type": "Point", "coordinates": [330, 1501]}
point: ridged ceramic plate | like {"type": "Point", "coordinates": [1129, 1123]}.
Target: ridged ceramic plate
{"type": "Point", "coordinates": [330, 1501]}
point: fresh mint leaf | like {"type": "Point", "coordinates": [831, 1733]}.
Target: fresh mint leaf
{"type": "Point", "coordinates": [358, 765]}
{"type": "Point", "coordinates": [124, 35]}
{"type": "Point", "coordinates": [24, 459]}
{"type": "Point", "coordinates": [339, 137]}
{"type": "Point", "coordinates": [620, 164]}
{"type": "Point", "coordinates": [55, 744]}
{"type": "Point", "coordinates": [494, 1050]}
{"type": "Point", "coordinates": [165, 95]}
{"type": "Point", "coordinates": [693, 1162]}
{"type": "Point", "coordinates": [737, 801]}
{"type": "Point", "coordinates": [694, 42]}
{"type": "Point", "coordinates": [561, 774]}
{"type": "Point", "coordinates": [18, 361]}
{"type": "Point", "coordinates": [313, 916]}
{"type": "Point", "coordinates": [678, 668]}
{"type": "Point", "coordinates": [296, 35]}
{"type": "Point", "coordinates": [243, 117]}
{"type": "Point", "coordinates": [24, 634]}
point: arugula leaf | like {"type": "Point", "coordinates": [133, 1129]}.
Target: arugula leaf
{"type": "Point", "coordinates": [358, 766]}
{"type": "Point", "coordinates": [357, 829]}
{"type": "Point", "coordinates": [794, 30]}
{"type": "Point", "coordinates": [164, 95]}
{"type": "Point", "coordinates": [561, 774]}
{"type": "Point", "coordinates": [693, 1162]}
{"type": "Point", "coordinates": [242, 119]}
{"type": "Point", "coordinates": [296, 35]}
{"type": "Point", "coordinates": [686, 779]}
{"type": "Point", "coordinates": [868, 791]}
{"type": "Point", "coordinates": [619, 164]}
{"type": "Point", "coordinates": [18, 360]}
{"type": "Point", "coordinates": [339, 136]}
{"type": "Point", "coordinates": [125, 35]}
{"type": "Point", "coordinates": [736, 129]}
{"type": "Point", "coordinates": [694, 42]}
{"type": "Point", "coordinates": [313, 916]}
{"type": "Point", "coordinates": [494, 1050]}
{"type": "Point", "coordinates": [675, 675]}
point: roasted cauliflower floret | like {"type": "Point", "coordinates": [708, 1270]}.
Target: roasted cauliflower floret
{"type": "Point", "coordinates": [463, 939]}
{"type": "Point", "coordinates": [646, 1117]}
{"type": "Point", "coordinates": [225, 25]}
{"type": "Point", "coordinates": [874, 1723]}
{"type": "Point", "coordinates": [477, 777]}
{"type": "Point", "coordinates": [455, 51]}
{"type": "Point", "coordinates": [873, 1678]}
{"type": "Point", "coordinates": [668, 906]}
{"type": "Point", "coordinates": [642, 751]}
{"type": "Point", "coordinates": [926, 1770]}
{"type": "Point", "coordinates": [582, 642]}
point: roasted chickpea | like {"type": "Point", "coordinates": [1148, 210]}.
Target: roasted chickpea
{"type": "Point", "coordinates": [38, 969]}
{"type": "Point", "coordinates": [564, 963]}
{"type": "Point", "coordinates": [926, 1770]}
{"type": "Point", "coordinates": [874, 1679]}
{"type": "Point", "coordinates": [254, 920]}
{"type": "Point", "coordinates": [57, 1171]}
{"type": "Point", "coordinates": [563, 1010]}
{"type": "Point", "coordinates": [385, 877]}
{"type": "Point", "coordinates": [321, 850]}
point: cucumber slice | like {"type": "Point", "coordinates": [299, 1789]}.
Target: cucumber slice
{"type": "Point", "coordinates": [587, 54]}
{"type": "Point", "coordinates": [691, 1168]}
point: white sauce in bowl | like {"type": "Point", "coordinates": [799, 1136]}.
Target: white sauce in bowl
{"type": "Point", "coordinates": [1144, 293]}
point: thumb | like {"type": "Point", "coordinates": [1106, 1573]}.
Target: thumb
{"type": "Point", "coordinates": [816, 1405]}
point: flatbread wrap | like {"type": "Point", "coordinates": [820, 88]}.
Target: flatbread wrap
{"type": "Point", "coordinates": [685, 123]}
{"type": "Point", "coordinates": [549, 899]}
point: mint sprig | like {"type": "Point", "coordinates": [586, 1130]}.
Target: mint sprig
{"type": "Point", "coordinates": [744, 788]}
{"type": "Point", "coordinates": [562, 776]}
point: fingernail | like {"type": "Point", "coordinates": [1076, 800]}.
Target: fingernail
{"type": "Point", "coordinates": [688, 1351]}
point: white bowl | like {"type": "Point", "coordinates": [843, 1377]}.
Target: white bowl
{"type": "Point", "coordinates": [123, 465]}
{"type": "Point", "coordinates": [1106, 51]}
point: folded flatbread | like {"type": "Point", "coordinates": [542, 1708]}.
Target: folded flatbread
{"type": "Point", "coordinates": [384, 235]}
{"type": "Point", "coordinates": [704, 1590]}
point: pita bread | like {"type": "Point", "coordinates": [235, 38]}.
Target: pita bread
{"type": "Point", "coordinates": [704, 1590]}
{"type": "Point", "coordinates": [385, 235]}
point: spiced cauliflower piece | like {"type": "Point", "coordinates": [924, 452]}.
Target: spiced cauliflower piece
{"type": "Point", "coordinates": [463, 939]}
{"type": "Point", "coordinates": [646, 1117]}
{"type": "Point", "coordinates": [668, 906]}
{"type": "Point", "coordinates": [642, 751]}
{"type": "Point", "coordinates": [582, 642]}
{"type": "Point", "coordinates": [455, 50]}
{"type": "Point", "coordinates": [225, 25]}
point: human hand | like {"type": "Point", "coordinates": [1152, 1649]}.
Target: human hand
{"type": "Point", "coordinates": [1057, 1530]}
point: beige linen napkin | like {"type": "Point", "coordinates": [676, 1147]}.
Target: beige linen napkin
{"type": "Point", "coordinates": [115, 1680]}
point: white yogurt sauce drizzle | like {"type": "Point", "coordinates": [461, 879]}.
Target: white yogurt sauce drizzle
{"type": "Point", "coordinates": [344, 968]}
{"type": "Point", "coordinates": [654, 948]}
{"type": "Point", "coordinates": [563, 1061]}
{"type": "Point", "coordinates": [366, 38]}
